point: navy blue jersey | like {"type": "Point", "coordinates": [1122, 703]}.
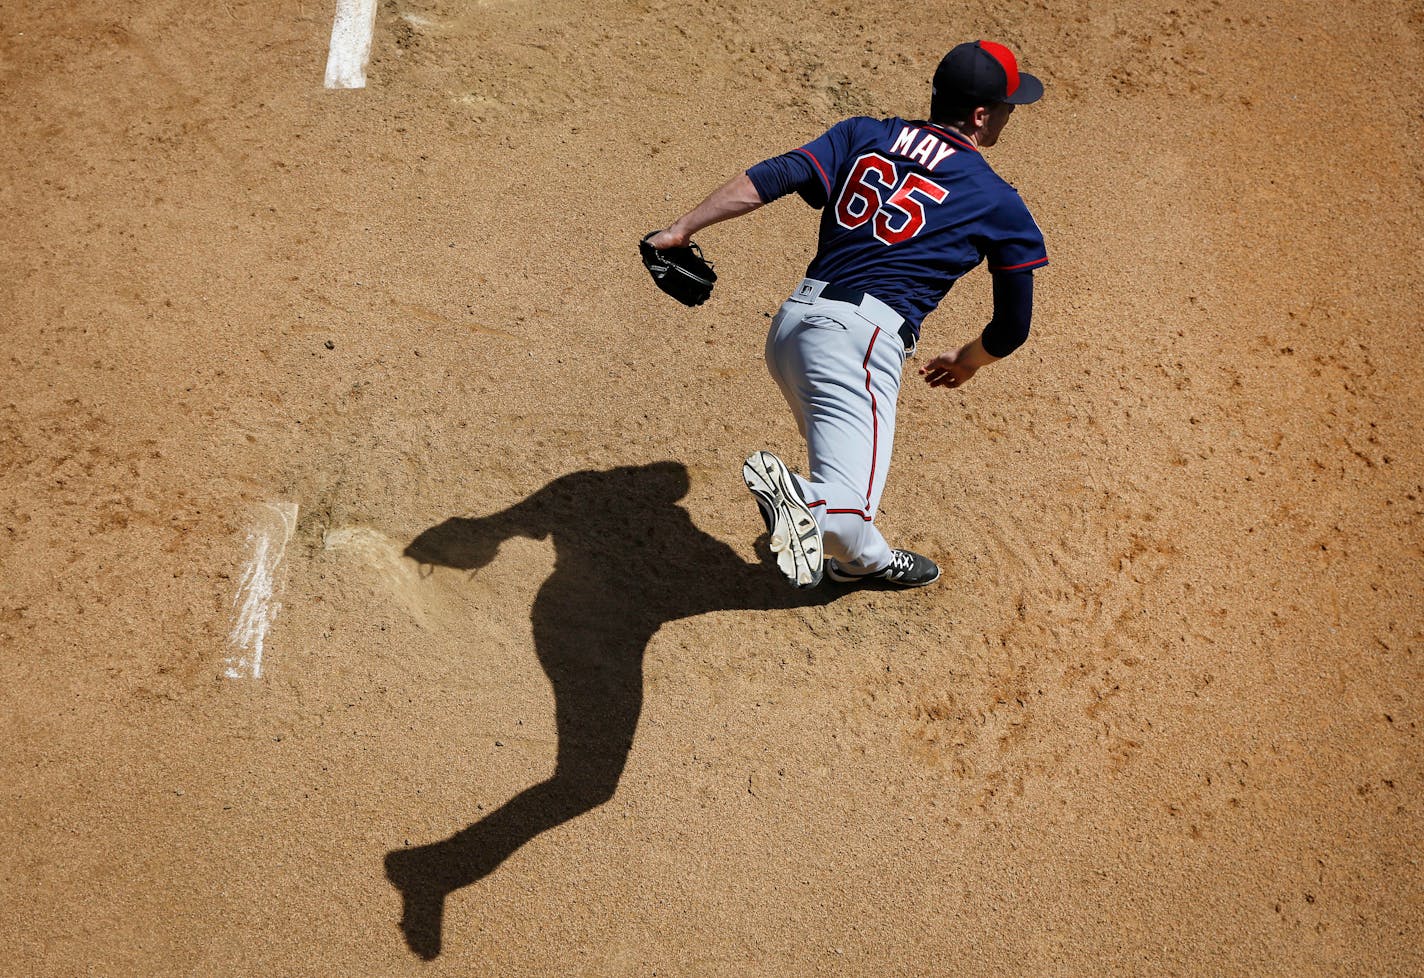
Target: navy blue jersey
{"type": "Point", "coordinates": [907, 208]}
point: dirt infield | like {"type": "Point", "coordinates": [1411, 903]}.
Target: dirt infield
{"type": "Point", "coordinates": [1161, 717]}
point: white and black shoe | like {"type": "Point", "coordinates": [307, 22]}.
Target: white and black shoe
{"type": "Point", "coordinates": [795, 536]}
{"type": "Point", "coordinates": [906, 569]}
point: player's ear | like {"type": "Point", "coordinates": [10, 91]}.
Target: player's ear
{"type": "Point", "coordinates": [979, 118]}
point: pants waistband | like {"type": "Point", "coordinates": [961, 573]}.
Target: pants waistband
{"type": "Point", "coordinates": [871, 308]}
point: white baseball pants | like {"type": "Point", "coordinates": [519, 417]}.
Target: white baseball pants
{"type": "Point", "coordinates": [838, 365]}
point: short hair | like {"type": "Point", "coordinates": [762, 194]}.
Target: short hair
{"type": "Point", "coordinates": [947, 112]}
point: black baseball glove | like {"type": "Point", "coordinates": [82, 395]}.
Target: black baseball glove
{"type": "Point", "coordinates": [680, 272]}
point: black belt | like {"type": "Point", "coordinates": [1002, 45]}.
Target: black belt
{"type": "Point", "coordinates": [837, 294]}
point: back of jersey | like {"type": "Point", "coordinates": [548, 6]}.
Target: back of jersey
{"type": "Point", "coordinates": [909, 207]}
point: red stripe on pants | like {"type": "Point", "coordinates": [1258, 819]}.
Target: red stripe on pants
{"type": "Point", "coordinates": [874, 416]}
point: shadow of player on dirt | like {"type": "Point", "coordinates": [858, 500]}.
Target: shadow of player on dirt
{"type": "Point", "coordinates": [628, 560]}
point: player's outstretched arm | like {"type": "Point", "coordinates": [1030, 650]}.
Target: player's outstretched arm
{"type": "Point", "coordinates": [733, 199]}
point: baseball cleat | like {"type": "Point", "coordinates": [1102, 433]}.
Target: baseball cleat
{"type": "Point", "coordinates": [906, 569]}
{"type": "Point", "coordinates": [795, 537]}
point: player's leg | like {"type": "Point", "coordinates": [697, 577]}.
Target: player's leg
{"type": "Point", "coordinates": [786, 318]}
{"type": "Point", "coordinates": [835, 437]}
{"type": "Point", "coordinates": [793, 533]}
{"type": "Point", "coordinates": [841, 375]}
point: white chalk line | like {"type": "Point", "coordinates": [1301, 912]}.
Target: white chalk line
{"type": "Point", "coordinates": [350, 43]}
{"type": "Point", "coordinates": [256, 601]}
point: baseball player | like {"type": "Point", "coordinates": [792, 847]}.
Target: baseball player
{"type": "Point", "coordinates": [907, 207]}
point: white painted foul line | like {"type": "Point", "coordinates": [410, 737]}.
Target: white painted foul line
{"type": "Point", "coordinates": [256, 603]}
{"type": "Point", "coordinates": [350, 43]}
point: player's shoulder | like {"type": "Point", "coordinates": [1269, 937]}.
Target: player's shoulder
{"type": "Point", "coordinates": [864, 126]}
{"type": "Point", "coordinates": [1006, 193]}
{"type": "Point", "coordinates": [1002, 187]}
{"type": "Point", "coordinates": [891, 125]}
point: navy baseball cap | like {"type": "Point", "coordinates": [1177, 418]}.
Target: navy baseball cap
{"type": "Point", "coordinates": [983, 73]}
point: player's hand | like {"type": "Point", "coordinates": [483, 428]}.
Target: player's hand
{"type": "Point", "coordinates": [669, 238]}
{"type": "Point", "coordinates": [949, 369]}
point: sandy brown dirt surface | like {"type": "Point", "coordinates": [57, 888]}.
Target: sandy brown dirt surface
{"type": "Point", "coordinates": [1161, 717]}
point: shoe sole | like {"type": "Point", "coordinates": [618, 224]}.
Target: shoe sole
{"type": "Point", "coordinates": [795, 536]}
{"type": "Point", "coordinates": [841, 577]}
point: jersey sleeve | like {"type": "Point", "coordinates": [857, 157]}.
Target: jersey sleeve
{"type": "Point", "coordinates": [778, 176]}
{"type": "Point", "coordinates": [809, 170]}
{"type": "Point", "coordinates": [1013, 313]}
{"type": "Point", "coordinates": [1013, 241]}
